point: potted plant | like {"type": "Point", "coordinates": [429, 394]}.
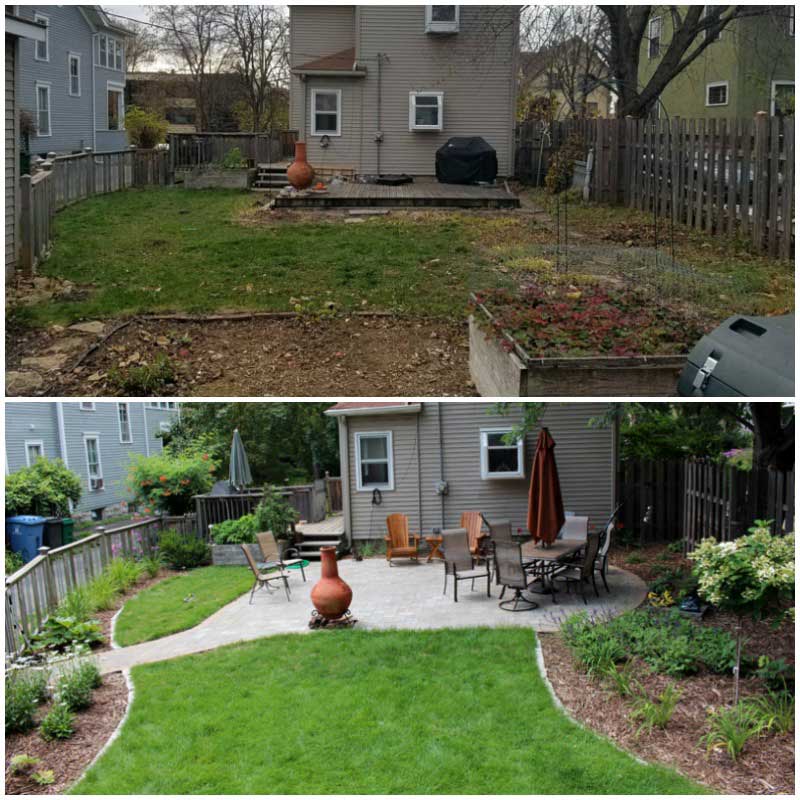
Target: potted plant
{"type": "Point", "coordinates": [275, 514]}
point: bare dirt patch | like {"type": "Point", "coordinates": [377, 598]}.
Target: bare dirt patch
{"type": "Point", "coordinates": [70, 757]}
{"type": "Point", "coordinates": [371, 355]}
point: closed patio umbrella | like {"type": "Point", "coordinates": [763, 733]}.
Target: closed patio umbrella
{"type": "Point", "coordinates": [545, 506]}
{"type": "Point", "coordinates": [240, 475]}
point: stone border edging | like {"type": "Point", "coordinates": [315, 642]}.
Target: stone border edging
{"type": "Point", "coordinates": [112, 633]}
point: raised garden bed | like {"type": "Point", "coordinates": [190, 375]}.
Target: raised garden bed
{"type": "Point", "coordinates": [218, 178]}
{"type": "Point", "coordinates": [589, 341]}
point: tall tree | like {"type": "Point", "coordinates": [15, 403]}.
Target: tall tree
{"type": "Point", "coordinates": [141, 47]}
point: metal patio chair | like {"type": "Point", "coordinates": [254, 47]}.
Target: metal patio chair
{"type": "Point", "coordinates": [579, 574]}
{"type": "Point", "coordinates": [263, 579]}
{"type": "Point", "coordinates": [511, 574]}
{"type": "Point", "coordinates": [271, 554]}
{"type": "Point", "coordinates": [460, 563]}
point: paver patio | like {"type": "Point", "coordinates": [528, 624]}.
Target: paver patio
{"type": "Point", "coordinates": [405, 596]}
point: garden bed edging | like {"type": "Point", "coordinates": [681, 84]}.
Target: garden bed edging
{"type": "Point", "coordinates": [205, 178]}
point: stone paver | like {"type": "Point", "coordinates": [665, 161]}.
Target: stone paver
{"type": "Point", "coordinates": [406, 595]}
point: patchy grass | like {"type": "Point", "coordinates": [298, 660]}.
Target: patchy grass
{"type": "Point", "coordinates": [179, 603]}
{"type": "Point", "coordinates": [359, 712]}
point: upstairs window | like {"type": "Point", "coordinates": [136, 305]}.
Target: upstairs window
{"type": "Point", "coordinates": [374, 467]}
{"type": "Point", "coordinates": [74, 74]}
{"type": "Point", "coordinates": [94, 468]}
{"type": "Point", "coordinates": [706, 34]}
{"type": "Point", "coordinates": [109, 52]}
{"type": "Point", "coordinates": [717, 93]}
{"type": "Point", "coordinates": [43, 48]}
{"type": "Point", "coordinates": [654, 37]}
{"type": "Point", "coordinates": [425, 112]}
{"type": "Point", "coordinates": [441, 19]}
{"type": "Point", "coordinates": [500, 460]}
{"type": "Point", "coordinates": [326, 112]}
{"type": "Point", "coordinates": [125, 433]}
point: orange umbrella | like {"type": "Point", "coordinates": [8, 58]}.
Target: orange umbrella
{"type": "Point", "coordinates": [545, 507]}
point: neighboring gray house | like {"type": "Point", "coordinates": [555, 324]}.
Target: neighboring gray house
{"type": "Point", "coordinates": [378, 89]}
{"type": "Point", "coordinates": [73, 82]}
{"type": "Point", "coordinates": [95, 440]}
{"type": "Point", "coordinates": [17, 29]}
{"type": "Point", "coordinates": [410, 451]}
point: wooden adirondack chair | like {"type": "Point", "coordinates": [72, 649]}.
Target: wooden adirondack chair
{"type": "Point", "coordinates": [399, 542]}
{"type": "Point", "coordinates": [472, 521]}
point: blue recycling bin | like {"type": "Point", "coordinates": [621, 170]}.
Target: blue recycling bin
{"type": "Point", "coordinates": [25, 534]}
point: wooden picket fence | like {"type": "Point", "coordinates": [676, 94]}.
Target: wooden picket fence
{"type": "Point", "coordinates": [724, 177]}
{"type": "Point", "coordinates": [190, 150]}
{"type": "Point", "coordinates": [333, 489]}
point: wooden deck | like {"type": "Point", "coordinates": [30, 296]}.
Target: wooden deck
{"type": "Point", "coordinates": [420, 193]}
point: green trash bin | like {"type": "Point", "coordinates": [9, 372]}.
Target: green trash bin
{"type": "Point", "coordinates": [67, 526]}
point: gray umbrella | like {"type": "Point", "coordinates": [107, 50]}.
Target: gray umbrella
{"type": "Point", "coordinates": [240, 469]}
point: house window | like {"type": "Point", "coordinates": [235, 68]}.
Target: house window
{"type": "Point", "coordinates": [706, 34]}
{"type": "Point", "coordinates": [43, 109]}
{"type": "Point", "coordinates": [499, 459]}
{"type": "Point", "coordinates": [654, 37]}
{"type": "Point", "coordinates": [109, 52]}
{"type": "Point", "coordinates": [441, 19]}
{"type": "Point", "coordinates": [125, 433]}
{"type": "Point", "coordinates": [426, 111]}
{"type": "Point", "coordinates": [162, 405]}
{"type": "Point", "coordinates": [116, 107]}
{"type": "Point", "coordinates": [94, 469]}
{"type": "Point", "coordinates": [74, 74]}
{"type": "Point", "coordinates": [87, 406]}
{"type": "Point", "coordinates": [374, 468]}
{"type": "Point", "coordinates": [782, 99]}
{"type": "Point", "coordinates": [790, 21]}
{"type": "Point", "coordinates": [717, 93]}
{"type": "Point", "coordinates": [326, 112]}
{"type": "Point", "coordinates": [34, 448]}
{"type": "Point", "coordinates": [43, 48]}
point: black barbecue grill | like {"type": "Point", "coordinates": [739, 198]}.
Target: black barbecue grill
{"type": "Point", "coordinates": [466, 159]}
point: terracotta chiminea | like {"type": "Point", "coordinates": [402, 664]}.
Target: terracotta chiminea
{"type": "Point", "coordinates": [331, 596]}
{"type": "Point", "coordinates": [300, 172]}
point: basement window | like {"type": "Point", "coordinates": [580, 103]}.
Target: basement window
{"type": "Point", "coordinates": [717, 93]}
{"type": "Point", "coordinates": [500, 460]}
{"type": "Point", "coordinates": [425, 111]}
{"type": "Point", "coordinates": [374, 467]}
{"type": "Point", "coordinates": [441, 19]}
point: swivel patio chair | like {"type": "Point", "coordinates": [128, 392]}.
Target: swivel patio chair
{"type": "Point", "coordinates": [580, 574]}
{"type": "Point", "coordinates": [399, 542]}
{"type": "Point", "coordinates": [271, 554]}
{"type": "Point", "coordinates": [262, 578]}
{"type": "Point", "coordinates": [459, 562]}
{"type": "Point", "coordinates": [511, 574]}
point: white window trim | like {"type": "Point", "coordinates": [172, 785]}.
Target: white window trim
{"type": "Point", "coordinates": [705, 32]}
{"type": "Point", "coordinates": [714, 84]}
{"type": "Point", "coordinates": [650, 22]}
{"type": "Point", "coordinates": [32, 442]}
{"type": "Point", "coordinates": [113, 86]}
{"type": "Point", "coordinates": [109, 52]}
{"type": "Point", "coordinates": [89, 476]}
{"type": "Point", "coordinates": [44, 85]}
{"type": "Point", "coordinates": [441, 27]}
{"type": "Point", "coordinates": [387, 487]}
{"type": "Point", "coordinates": [38, 18]}
{"type": "Point", "coordinates": [91, 405]}
{"type": "Point", "coordinates": [119, 423]}
{"type": "Point", "coordinates": [314, 93]}
{"type": "Point", "coordinates": [412, 111]}
{"type": "Point", "coordinates": [790, 25]}
{"type": "Point", "coordinates": [773, 87]}
{"type": "Point", "coordinates": [491, 476]}
{"type": "Point", "coordinates": [77, 57]}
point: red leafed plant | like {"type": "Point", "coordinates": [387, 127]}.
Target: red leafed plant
{"type": "Point", "coordinates": [562, 320]}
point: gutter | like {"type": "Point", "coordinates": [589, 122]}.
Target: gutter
{"type": "Point", "coordinates": [330, 73]}
{"type": "Point", "coordinates": [62, 442]}
{"type": "Point", "coordinates": [406, 408]}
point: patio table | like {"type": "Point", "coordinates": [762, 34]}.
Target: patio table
{"type": "Point", "coordinates": [544, 559]}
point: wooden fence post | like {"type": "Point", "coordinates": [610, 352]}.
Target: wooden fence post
{"type": "Point", "coordinates": [760, 178]}
{"type": "Point", "coordinates": [26, 224]}
{"type": "Point", "coordinates": [90, 174]}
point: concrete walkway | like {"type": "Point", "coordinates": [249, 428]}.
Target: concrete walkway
{"type": "Point", "coordinates": [407, 595]}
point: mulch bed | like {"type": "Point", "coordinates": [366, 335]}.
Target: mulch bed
{"type": "Point", "coordinates": [70, 757]}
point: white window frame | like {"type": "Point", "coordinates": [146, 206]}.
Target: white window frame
{"type": "Point", "coordinates": [112, 46]}
{"type": "Point", "coordinates": [384, 487]}
{"type": "Point", "coordinates": [486, 475]}
{"type": "Point", "coordinates": [650, 23]}
{"type": "Point", "coordinates": [33, 443]}
{"type": "Point", "coordinates": [70, 58]}
{"type": "Point", "coordinates": [99, 475]}
{"type": "Point", "coordinates": [713, 85]}
{"type": "Point", "coordinates": [412, 111]}
{"type": "Point", "coordinates": [314, 93]}
{"type": "Point", "coordinates": [773, 87]}
{"type": "Point", "coordinates": [127, 408]}
{"type": "Point", "coordinates": [42, 18]}
{"type": "Point", "coordinates": [112, 86]}
{"type": "Point", "coordinates": [88, 406]}
{"type": "Point", "coordinates": [162, 405]}
{"type": "Point", "coordinates": [44, 85]}
{"type": "Point", "coordinates": [441, 27]}
{"type": "Point", "coordinates": [705, 32]}
{"type": "Point", "coordinates": [790, 23]}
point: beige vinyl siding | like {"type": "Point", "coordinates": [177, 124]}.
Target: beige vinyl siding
{"type": "Point", "coordinates": [344, 150]}
{"type": "Point", "coordinates": [12, 158]}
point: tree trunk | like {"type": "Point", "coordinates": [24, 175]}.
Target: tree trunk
{"type": "Point", "coordinates": [737, 669]}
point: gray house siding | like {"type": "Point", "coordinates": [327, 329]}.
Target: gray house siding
{"type": "Point", "coordinates": [585, 456]}
{"type": "Point", "coordinates": [475, 69]}
{"type": "Point", "coordinates": [12, 156]}
{"type": "Point", "coordinates": [115, 456]}
{"type": "Point", "coordinates": [73, 120]}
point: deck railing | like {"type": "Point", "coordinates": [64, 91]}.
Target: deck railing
{"type": "Point", "coordinates": [190, 150]}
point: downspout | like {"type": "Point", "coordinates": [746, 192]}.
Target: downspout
{"type": "Point", "coordinates": [62, 441]}
{"type": "Point", "coordinates": [94, 97]}
{"type": "Point", "coordinates": [441, 456]}
{"type": "Point", "coordinates": [146, 435]}
{"type": "Point", "coordinates": [344, 469]}
{"type": "Point", "coordinates": [419, 480]}
{"type": "Point", "coordinates": [304, 79]}
{"type": "Point", "coordinates": [379, 130]}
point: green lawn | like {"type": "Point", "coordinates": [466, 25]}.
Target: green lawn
{"type": "Point", "coordinates": [179, 603]}
{"type": "Point", "coordinates": [150, 250]}
{"type": "Point", "coordinates": [352, 712]}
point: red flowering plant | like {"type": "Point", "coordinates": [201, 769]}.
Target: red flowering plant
{"type": "Point", "coordinates": [561, 320]}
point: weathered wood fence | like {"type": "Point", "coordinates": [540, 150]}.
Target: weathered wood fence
{"type": "Point", "coordinates": [309, 500]}
{"type": "Point", "coordinates": [60, 181]}
{"type": "Point", "coordinates": [333, 488]}
{"type": "Point", "coordinates": [723, 177]}
{"type": "Point", "coordinates": [36, 589]}
{"type": "Point", "coordinates": [189, 150]}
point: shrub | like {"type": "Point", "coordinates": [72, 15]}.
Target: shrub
{"type": "Point", "coordinates": [75, 685]}
{"type": "Point", "coordinates": [13, 562]}
{"type": "Point", "coordinates": [656, 712]}
{"type": "Point", "coordinates": [233, 159]}
{"type": "Point", "coordinates": [730, 729]}
{"type": "Point", "coordinates": [236, 531]}
{"type": "Point", "coordinates": [777, 674]}
{"type": "Point", "coordinates": [44, 777]}
{"type": "Point", "coordinates": [62, 633]}
{"type": "Point", "coordinates": [22, 763]}
{"type": "Point", "coordinates": [274, 513]}
{"type": "Point", "coordinates": [23, 695]}
{"type": "Point", "coordinates": [151, 566]}
{"type": "Point", "coordinates": [562, 164]}
{"type": "Point", "coordinates": [183, 551]}
{"type": "Point", "coordinates": [169, 482]}
{"type": "Point", "coordinates": [145, 129]}
{"type": "Point", "coordinates": [144, 380]}
{"type": "Point", "coordinates": [58, 724]}
{"type": "Point", "coordinates": [45, 487]}
{"type": "Point", "coordinates": [124, 573]}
